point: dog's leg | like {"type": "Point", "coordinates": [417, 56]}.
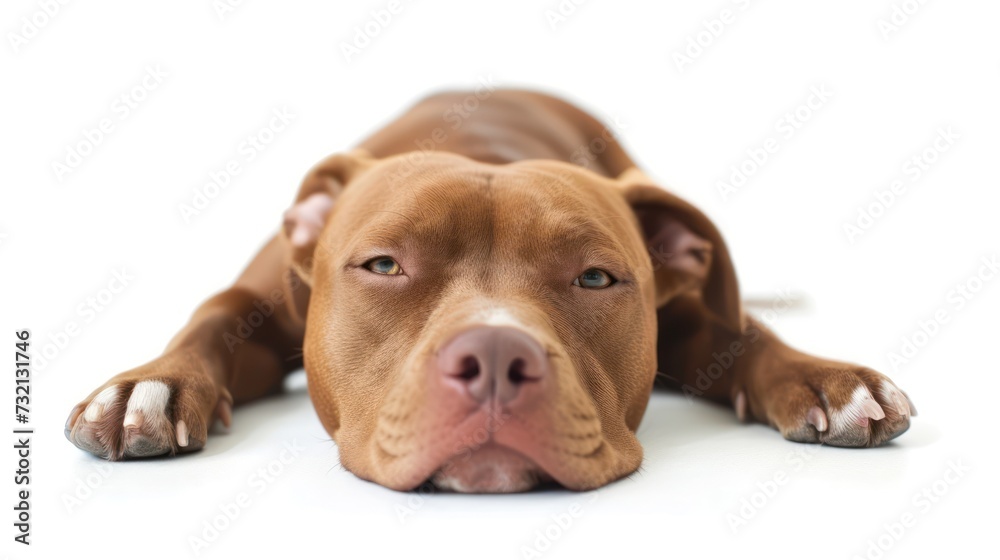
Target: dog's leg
{"type": "Point", "coordinates": [237, 347]}
{"type": "Point", "coordinates": [806, 398]}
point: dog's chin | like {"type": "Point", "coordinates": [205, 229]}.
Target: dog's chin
{"type": "Point", "coordinates": [490, 469]}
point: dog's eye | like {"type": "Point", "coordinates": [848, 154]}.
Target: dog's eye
{"type": "Point", "coordinates": [594, 279]}
{"type": "Point", "coordinates": [384, 265]}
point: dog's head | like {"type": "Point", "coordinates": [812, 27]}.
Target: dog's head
{"type": "Point", "coordinates": [490, 327]}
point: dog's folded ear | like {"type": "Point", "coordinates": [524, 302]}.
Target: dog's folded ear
{"type": "Point", "coordinates": [686, 250]}
{"type": "Point", "coordinates": [305, 220]}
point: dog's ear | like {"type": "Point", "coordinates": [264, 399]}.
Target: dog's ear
{"type": "Point", "coordinates": [322, 186]}
{"type": "Point", "coordinates": [686, 250]}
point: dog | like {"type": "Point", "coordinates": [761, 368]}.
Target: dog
{"type": "Point", "coordinates": [484, 293]}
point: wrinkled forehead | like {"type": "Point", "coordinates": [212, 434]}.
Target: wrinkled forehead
{"type": "Point", "coordinates": [508, 211]}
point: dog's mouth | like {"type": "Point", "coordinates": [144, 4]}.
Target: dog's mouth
{"type": "Point", "coordinates": [490, 468]}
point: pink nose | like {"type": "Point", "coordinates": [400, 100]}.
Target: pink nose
{"type": "Point", "coordinates": [489, 363]}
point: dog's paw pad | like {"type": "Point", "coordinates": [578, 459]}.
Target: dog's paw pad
{"type": "Point", "coordinates": [146, 428]}
{"type": "Point", "coordinates": [851, 423]}
{"type": "Point", "coordinates": [845, 408]}
{"type": "Point", "coordinates": [125, 420]}
{"type": "Point", "coordinates": [161, 408]}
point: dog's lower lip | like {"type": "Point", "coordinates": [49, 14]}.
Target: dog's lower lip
{"type": "Point", "coordinates": [489, 468]}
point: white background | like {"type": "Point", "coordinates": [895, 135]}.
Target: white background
{"type": "Point", "coordinates": [63, 237]}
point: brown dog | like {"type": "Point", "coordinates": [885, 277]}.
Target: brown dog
{"type": "Point", "coordinates": [485, 314]}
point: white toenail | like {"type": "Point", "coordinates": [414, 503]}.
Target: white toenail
{"type": "Point", "coordinates": [740, 405]}
{"type": "Point", "coordinates": [817, 418]}
{"type": "Point", "coordinates": [182, 434]}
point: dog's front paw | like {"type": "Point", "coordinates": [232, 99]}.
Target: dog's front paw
{"type": "Point", "coordinates": [844, 406]}
{"type": "Point", "coordinates": [164, 407]}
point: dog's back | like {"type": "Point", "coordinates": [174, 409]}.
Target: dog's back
{"type": "Point", "coordinates": [503, 126]}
